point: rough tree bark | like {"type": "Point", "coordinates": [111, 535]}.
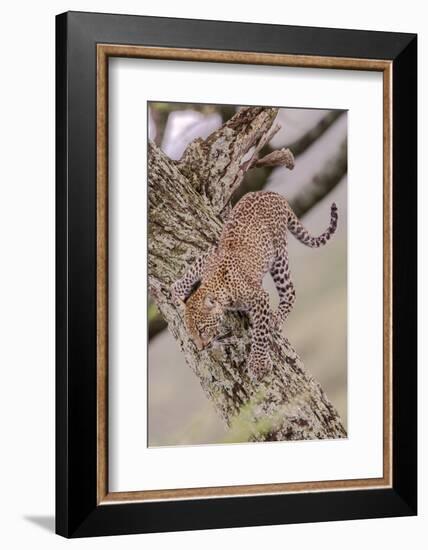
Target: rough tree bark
{"type": "Point", "coordinates": [188, 201]}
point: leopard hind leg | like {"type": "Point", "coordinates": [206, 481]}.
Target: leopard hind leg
{"type": "Point", "coordinates": [280, 273]}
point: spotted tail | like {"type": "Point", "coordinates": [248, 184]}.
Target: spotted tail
{"type": "Point", "coordinates": [301, 233]}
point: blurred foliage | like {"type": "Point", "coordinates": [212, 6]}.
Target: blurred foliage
{"type": "Point", "coordinates": [152, 311]}
{"type": "Point", "coordinates": [161, 111]}
{"type": "Point", "coordinates": [167, 108]}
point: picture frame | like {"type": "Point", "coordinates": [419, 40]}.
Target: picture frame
{"type": "Point", "coordinates": [84, 44]}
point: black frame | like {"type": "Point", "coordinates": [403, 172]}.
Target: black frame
{"type": "Point", "coordinates": [77, 513]}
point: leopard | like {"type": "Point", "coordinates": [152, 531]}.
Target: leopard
{"type": "Point", "coordinates": [253, 241]}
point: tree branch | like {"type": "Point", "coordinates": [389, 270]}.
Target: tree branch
{"type": "Point", "coordinates": [216, 166]}
{"type": "Point", "coordinates": [332, 173]}
{"type": "Point", "coordinates": [303, 143]}
{"type": "Point", "coordinates": [256, 179]}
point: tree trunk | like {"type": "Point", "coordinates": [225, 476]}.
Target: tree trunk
{"type": "Point", "coordinates": [188, 201]}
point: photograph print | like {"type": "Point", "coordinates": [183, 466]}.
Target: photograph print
{"type": "Point", "coordinates": [247, 274]}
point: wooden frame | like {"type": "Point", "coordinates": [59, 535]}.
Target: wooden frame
{"type": "Point", "coordinates": [84, 504]}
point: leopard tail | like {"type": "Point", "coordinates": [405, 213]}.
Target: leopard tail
{"type": "Point", "coordinates": [303, 235]}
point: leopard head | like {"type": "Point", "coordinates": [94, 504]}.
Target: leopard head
{"type": "Point", "coordinates": [202, 315]}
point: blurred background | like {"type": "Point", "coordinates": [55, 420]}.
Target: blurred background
{"type": "Point", "coordinates": [179, 413]}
